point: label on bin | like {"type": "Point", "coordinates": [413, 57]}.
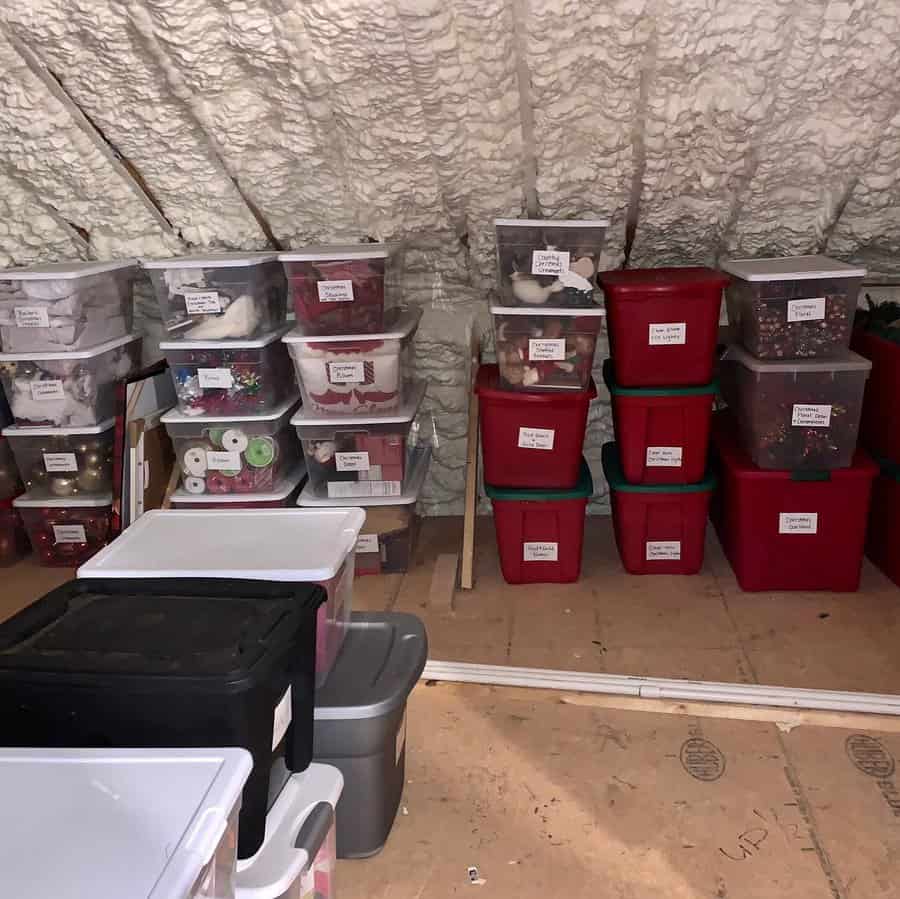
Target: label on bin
{"type": "Point", "coordinates": [212, 378]}
{"type": "Point", "coordinates": [540, 552]}
{"type": "Point", "coordinates": [281, 720]}
{"type": "Point", "coordinates": [536, 438]}
{"type": "Point", "coordinates": [798, 522]}
{"type": "Point", "coordinates": [809, 310]}
{"type": "Point", "coordinates": [357, 489]}
{"type": "Point", "coordinates": [60, 462]}
{"type": "Point", "coordinates": [664, 457]}
{"type": "Point", "coordinates": [663, 549]}
{"type": "Point", "coordinates": [804, 416]}
{"type": "Point", "coordinates": [547, 350]}
{"type": "Point", "coordinates": [668, 334]}
{"type": "Point", "coordinates": [220, 460]}
{"type": "Point", "coordinates": [367, 543]}
{"type": "Point", "coordinates": [47, 390]}
{"type": "Point", "coordinates": [31, 317]}
{"type": "Point", "coordinates": [202, 302]}
{"type": "Point", "coordinates": [346, 372]}
{"type": "Point", "coordinates": [69, 533]}
{"type": "Point", "coordinates": [335, 291]}
{"type": "Point", "coordinates": [352, 461]}
{"type": "Point", "coordinates": [549, 262]}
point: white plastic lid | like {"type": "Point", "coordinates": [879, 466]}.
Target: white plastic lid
{"type": "Point", "coordinates": [282, 488]}
{"type": "Point", "coordinates": [237, 344]}
{"type": "Point", "coordinates": [26, 501]}
{"type": "Point", "coordinates": [91, 353]}
{"type": "Point", "coordinates": [65, 271]}
{"type": "Point", "coordinates": [412, 483]}
{"type": "Point", "coordinates": [259, 544]}
{"type": "Point", "coordinates": [848, 362]}
{"type": "Point", "coordinates": [340, 252]}
{"type": "Point", "coordinates": [114, 823]}
{"type": "Point", "coordinates": [555, 223]}
{"type": "Point", "coordinates": [278, 862]}
{"type": "Point", "coordinates": [13, 431]}
{"type": "Point", "coordinates": [403, 322]}
{"type": "Point", "coordinates": [212, 260]}
{"type": "Point", "coordinates": [554, 311]}
{"type": "Point", "coordinates": [175, 417]}
{"type": "Point", "coordinates": [405, 413]}
{"type": "Point", "coordinates": [790, 268]}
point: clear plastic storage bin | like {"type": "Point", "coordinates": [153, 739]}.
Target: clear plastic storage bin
{"type": "Point", "coordinates": [343, 289]}
{"type": "Point", "coordinates": [64, 462]}
{"type": "Point", "coordinates": [355, 373]}
{"type": "Point", "coordinates": [230, 377]}
{"type": "Point", "coordinates": [223, 296]}
{"type": "Point", "coordinates": [13, 539]}
{"type": "Point", "coordinates": [801, 415]}
{"type": "Point", "coordinates": [798, 307]}
{"type": "Point", "coordinates": [548, 263]}
{"type": "Point", "coordinates": [360, 456]}
{"type": "Point", "coordinates": [546, 349]}
{"type": "Point", "coordinates": [65, 305]}
{"type": "Point", "coordinates": [65, 532]}
{"type": "Point", "coordinates": [68, 389]}
{"type": "Point", "coordinates": [236, 454]}
{"type": "Point", "coordinates": [10, 482]}
{"type": "Point", "coordinates": [283, 493]}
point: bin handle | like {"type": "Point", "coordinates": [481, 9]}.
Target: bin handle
{"type": "Point", "coordinates": [351, 536]}
{"type": "Point", "coordinates": [314, 829]}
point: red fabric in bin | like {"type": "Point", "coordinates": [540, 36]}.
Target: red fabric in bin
{"type": "Point", "coordinates": [883, 543]}
{"type": "Point", "coordinates": [747, 514]}
{"type": "Point", "coordinates": [505, 413]}
{"type": "Point", "coordinates": [879, 429]}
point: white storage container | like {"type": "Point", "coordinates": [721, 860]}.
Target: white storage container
{"type": "Point", "coordinates": [120, 823]}
{"type": "Point", "coordinates": [65, 305]}
{"type": "Point", "coordinates": [312, 545]}
{"type": "Point", "coordinates": [282, 494]}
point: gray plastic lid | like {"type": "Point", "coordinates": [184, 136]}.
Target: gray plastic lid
{"type": "Point", "coordinates": [383, 655]}
{"type": "Point", "coordinates": [65, 271]}
{"type": "Point", "coordinates": [790, 268]}
{"type": "Point", "coordinates": [212, 260]}
{"type": "Point", "coordinates": [340, 252]}
{"type": "Point", "coordinates": [848, 362]}
{"type": "Point", "coordinates": [554, 223]}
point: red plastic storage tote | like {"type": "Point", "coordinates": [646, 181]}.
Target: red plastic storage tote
{"type": "Point", "coordinates": [662, 433]}
{"type": "Point", "coordinates": [879, 429]}
{"type": "Point", "coordinates": [883, 543]}
{"type": "Point", "coordinates": [785, 530]}
{"type": "Point", "coordinates": [531, 439]}
{"type": "Point", "coordinates": [540, 532]}
{"type": "Point", "coordinates": [660, 528]}
{"type": "Point", "coordinates": [663, 324]}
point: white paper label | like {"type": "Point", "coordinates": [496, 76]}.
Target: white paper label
{"type": "Point", "coordinates": [536, 438]}
{"type": "Point", "coordinates": [284, 713]}
{"type": "Point", "coordinates": [356, 489]}
{"type": "Point", "coordinates": [663, 549]}
{"type": "Point", "coordinates": [401, 740]}
{"type": "Point", "coordinates": [540, 552]}
{"type": "Point", "coordinates": [60, 462]}
{"type": "Point", "coordinates": [219, 460]}
{"type": "Point", "coordinates": [668, 334]}
{"type": "Point", "coordinates": [664, 456]}
{"type": "Point", "coordinates": [346, 372]}
{"type": "Point", "coordinates": [810, 310]}
{"type": "Point", "coordinates": [367, 543]}
{"type": "Point", "coordinates": [47, 390]}
{"type": "Point", "coordinates": [32, 317]}
{"type": "Point", "coordinates": [811, 416]}
{"type": "Point", "coordinates": [352, 461]}
{"type": "Point", "coordinates": [549, 350]}
{"type": "Point", "coordinates": [798, 523]}
{"type": "Point", "coordinates": [69, 533]}
{"type": "Point", "coordinates": [549, 262]}
{"type": "Point", "coordinates": [215, 378]}
{"type": "Point", "coordinates": [202, 302]}
{"type": "Point", "coordinates": [335, 291]}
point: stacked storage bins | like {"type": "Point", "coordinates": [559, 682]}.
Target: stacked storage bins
{"type": "Point", "coordinates": [534, 402]}
{"type": "Point", "coordinates": [65, 331]}
{"type": "Point", "coordinates": [794, 496]}
{"type": "Point", "coordinates": [663, 326]}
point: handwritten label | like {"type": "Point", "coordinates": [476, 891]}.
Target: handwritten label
{"type": "Point", "coordinates": [41, 391]}
{"type": "Point", "coordinates": [367, 543]}
{"type": "Point", "coordinates": [352, 461]}
{"type": "Point", "coordinates": [536, 438]}
{"type": "Point", "coordinates": [668, 334]}
{"type": "Point", "coordinates": [202, 302]}
{"type": "Point", "coordinates": [540, 552]}
{"type": "Point", "coordinates": [215, 378]}
{"type": "Point", "coordinates": [281, 720]}
{"type": "Point", "coordinates": [219, 460]}
{"type": "Point", "coordinates": [346, 372]}
{"type": "Point", "coordinates": [664, 456]}
{"type": "Point", "coordinates": [69, 533]}
{"type": "Point", "coordinates": [798, 522]}
{"type": "Point", "coordinates": [335, 291]}
{"type": "Point", "coordinates": [31, 317]}
{"type": "Point", "coordinates": [357, 489]}
{"type": "Point", "coordinates": [547, 350]}
{"type": "Point", "coordinates": [658, 550]}
{"type": "Point", "coordinates": [60, 462]}
{"type": "Point", "coordinates": [549, 262]}
{"type": "Point", "coordinates": [805, 416]}
{"type": "Point", "coordinates": [809, 310]}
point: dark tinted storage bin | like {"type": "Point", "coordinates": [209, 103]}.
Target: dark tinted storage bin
{"type": "Point", "coordinates": [152, 663]}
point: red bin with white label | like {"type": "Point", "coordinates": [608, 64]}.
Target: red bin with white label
{"type": "Point", "coordinates": [540, 532]}
{"type": "Point", "coordinates": [663, 324]}
{"type": "Point", "coordinates": [785, 530]}
{"type": "Point", "coordinates": [531, 439]}
{"type": "Point", "coordinates": [660, 528]}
